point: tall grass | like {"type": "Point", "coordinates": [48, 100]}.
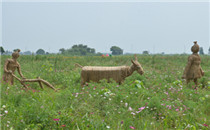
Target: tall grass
{"type": "Point", "coordinates": [159, 99]}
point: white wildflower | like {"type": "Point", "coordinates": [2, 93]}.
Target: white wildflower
{"type": "Point", "coordinates": [133, 113]}
{"type": "Point", "coordinates": [130, 109]}
{"type": "Point", "coordinates": [126, 104]}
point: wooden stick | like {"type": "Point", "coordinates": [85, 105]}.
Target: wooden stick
{"type": "Point", "coordinates": [40, 83]}
{"type": "Point", "coordinates": [35, 80]}
{"type": "Point", "coordinates": [19, 80]}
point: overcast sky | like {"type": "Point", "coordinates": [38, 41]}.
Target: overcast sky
{"type": "Point", "coordinates": [169, 27]}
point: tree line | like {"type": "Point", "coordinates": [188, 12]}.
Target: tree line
{"type": "Point", "coordinates": [83, 50]}
{"type": "Point", "coordinates": [75, 50]}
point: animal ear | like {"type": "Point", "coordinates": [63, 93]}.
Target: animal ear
{"type": "Point", "coordinates": [133, 62]}
{"type": "Point", "coordinates": [135, 57]}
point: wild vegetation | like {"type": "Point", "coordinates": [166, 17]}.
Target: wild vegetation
{"type": "Point", "coordinates": [158, 99]}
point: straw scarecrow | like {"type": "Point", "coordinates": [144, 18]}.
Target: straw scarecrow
{"type": "Point", "coordinates": [11, 65]}
{"type": "Point", "coordinates": [193, 70]}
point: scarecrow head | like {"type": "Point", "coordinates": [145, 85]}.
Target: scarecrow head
{"type": "Point", "coordinates": [16, 54]}
{"type": "Point", "coordinates": [195, 48]}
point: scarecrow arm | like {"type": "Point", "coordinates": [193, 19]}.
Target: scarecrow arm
{"type": "Point", "coordinates": [202, 72]}
{"type": "Point", "coordinates": [5, 66]}
{"type": "Point", "coordinates": [19, 71]}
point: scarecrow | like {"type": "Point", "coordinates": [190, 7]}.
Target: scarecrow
{"type": "Point", "coordinates": [193, 70]}
{"type": "Point", "coordinates": [11, 65]}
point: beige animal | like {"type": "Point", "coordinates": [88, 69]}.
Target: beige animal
{"type": "Point", "coordinates": [118, 73]}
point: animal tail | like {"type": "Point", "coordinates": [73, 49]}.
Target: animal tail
{"type": "Point", "coordinates": [78, 65]}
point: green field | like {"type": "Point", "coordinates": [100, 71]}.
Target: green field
{"type": "Point", "coordinates": [159, 99]}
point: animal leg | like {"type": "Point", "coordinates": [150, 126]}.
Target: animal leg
{"type": "Point", "coordinates": [82, 82]}
{"type": "Point", "coordinates": [120, 82]}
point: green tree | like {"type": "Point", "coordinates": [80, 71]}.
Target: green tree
{"type": "Point", "coordinates": [209, 50]}
{"type": "Point", "coordinates": [116, 50]}
{"type": "Point", "coordinates": [2, 50]}
{"type": "Point", "coordinates": [62, 50]}
{"type": "Point", "coordinates": [92, 50]}
{"type": "Point", "coordinates": [27, 53]}
{"type": "Point", "coordinates": [145, 52]}
{"type": "Point", "coordinates": [201, 51]}
{"type": "Point", "coordinates": [40, 52]}
{"type": "Point", "coordinates": [74, 46]}
{"type": "Point", "coordinates": [78, 50]}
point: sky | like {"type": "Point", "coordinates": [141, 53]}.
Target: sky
{"type": "Point", "coordinates": [169, 27]}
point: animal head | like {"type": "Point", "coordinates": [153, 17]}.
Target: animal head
{"type": "Point", "coordinates": [137, 66]}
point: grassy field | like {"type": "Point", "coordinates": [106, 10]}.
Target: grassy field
{"type": "Point", "coordinates": [159, 99]}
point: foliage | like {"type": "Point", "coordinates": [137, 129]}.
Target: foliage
{"type": "Point", "coordinates": [159, 99]}
{"type": "Point", "coordinates": [145, 52]}
{"type": "Point", "coordinates": [8, 52]}
{"type": "Point", "coordinates": [62, 50]}
{"type": "Point", "coordinates": [201, 52]}
{"type": "Point", "coordinates": [27, 53]}
{"type": "Point", "coordinates": [138, 84]}
{"type": "Point", "coordinates": [2, 50]}
{"type": "Point", "coordinates": [40, 52]}
{"type": "Point", "coordinates": [78, 50]}
{"type": "Point", "coordinates": [116, 50]}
